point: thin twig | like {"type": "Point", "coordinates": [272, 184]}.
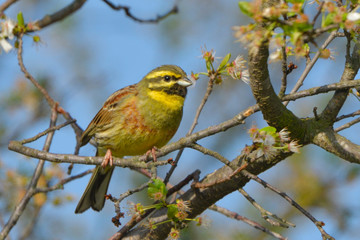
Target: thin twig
{"type": "Point", "coordinates": [49, 100]}
{"type": "Point", "coordinates": [347, 125]}
{"type": "Point", "coordinates": [318, 13]}
{"type": "Point", "coordinates": [318, 224]}
{"type": "Point", "coordinates": [5, 5]}
{"type": "Point", "coordinates": [353, 114]}
{"type": "Point", "coordinates": [270, 217]}
{"type": "Point", "coordinates": [322, 89]}
{"type": "Point", "coordinates": [126, 9]}
{"type": "Point", "coordinates": [210, 153]}
{"type": "Point", "coordinates": [193, 125]}
{"type": "Point", "coordinates": [62, 182]}
{"type": "Point", "coordinates": [252, 223]}
{"type": "Point", "coordinates": [57, 16]}
{"type": "Point", "coordinates": [132, 191]}
{"type": "Point", "coordinates": [51, 129]}
{"type": "Point", "coordinates": [309, 66]}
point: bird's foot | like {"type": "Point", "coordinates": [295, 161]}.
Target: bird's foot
{"type": "Point", "coordinates": [108, 159]}
{"type": "Point", "coordinates": [152, 151]}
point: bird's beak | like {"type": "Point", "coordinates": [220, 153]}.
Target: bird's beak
{"type": "Point", "coordinates": [185, 82]}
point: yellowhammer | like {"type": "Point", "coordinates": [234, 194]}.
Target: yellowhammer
{"type": "Point", "coordinates": [132, 121]}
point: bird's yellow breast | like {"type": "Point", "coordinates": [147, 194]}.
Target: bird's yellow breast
{"type": "Point", "coordinates": [172, 101]}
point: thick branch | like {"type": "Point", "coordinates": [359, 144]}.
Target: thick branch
{"type": "Point", "coordinates": [275, 113]}
{"type": "Point", "coordinates": [338, 145]}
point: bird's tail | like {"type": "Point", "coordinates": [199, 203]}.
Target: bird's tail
{"type": "Point", "coordinates": [94, 195]}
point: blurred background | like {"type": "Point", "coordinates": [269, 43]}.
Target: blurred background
{"type": "Point", "coordinates": [96, 51]}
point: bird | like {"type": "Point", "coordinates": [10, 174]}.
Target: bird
{"type": "Point", "coordinates": [133, 120]}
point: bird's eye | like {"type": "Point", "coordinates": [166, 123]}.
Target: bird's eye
{"type": "Point", "coordinates": [167, 78]}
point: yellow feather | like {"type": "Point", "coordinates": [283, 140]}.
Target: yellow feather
{"type": "Point", "coordinates": [174, 102]}
{"type": "Point", "coordinates": [161, 74]}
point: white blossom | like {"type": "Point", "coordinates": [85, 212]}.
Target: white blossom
{"type": "Point", "coordinates": [6, 33]}
{"type": "Point", "coordinates": [353, 16]}
{"type": "Point", "coordinates": [5, 45]}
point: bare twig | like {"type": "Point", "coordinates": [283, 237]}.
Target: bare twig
{"type": "Point", "coordinates": [49, 100]}
{"type": "Point", "coordinates": [6, 4]}
{"type": "Point", "coordinates": [51, 129]}
{"type": "Point", "coordinates": [318, 13]}
{"type": "Point", "coordinates": [347, 125]}
{"type": "Point", "coordinates": [254, 224]}
{"type": "Point", "coordinates": [126, 9]}
{"type": "Point", "coordinates": [318, 224]}
{"type": "Point", "coordinates": [272, 218]}
{"type": "Point", "coordinates": [322, 89]}
{"type": "Point", "coordinates": [210, 153]}
{"type": "Point", "coordinates": [57, 16]}
{"type": "Point", "coordinates": [353, 114]}
{"type": "Point", "coordinates": [62, 182]}
{"type": "Point", "coordinates": [309, 66]}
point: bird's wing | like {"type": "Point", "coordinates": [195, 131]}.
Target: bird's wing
{"type": "Point", "coordinates": [105, 115]}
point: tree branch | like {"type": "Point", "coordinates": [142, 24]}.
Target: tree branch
{"type": "Point", "coordinates": [134, 162]}
{"type": "Point", "coordinates": [126, 9]}
{"type": "Point", "coordinates": [57, 16]}
{"type": "Point", "coordinates": [334, 143]}
{"type": "Point", "coordinates": [254, 224]}
{"type": "Point", "coordinates": [5, 5]}
{"type": "Point", "coordinates": [274, 112]}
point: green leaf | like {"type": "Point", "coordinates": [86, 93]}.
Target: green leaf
{"type": "Point", "coordinates": [224, 62]}
{"type": "Point", "coordinates": [245, 8]}
{"type": "Point", "coordinates": [20, 19]}
{"type": "Point", "coordinates": [157, 190]}
{"type": "Point", "coordinates": [329, 19]}
{"type": "Point", "coordinates": [268, 129]}
{"type": "Point", "coordinates": [208, 65]}
{"type": "Point", "coordinates": [172, 211]}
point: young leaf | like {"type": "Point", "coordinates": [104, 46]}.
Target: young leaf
{"type": "Point", "coordinates": [268, 129]}
{"type": "Point", "coordinates": [20, 19]}
{"type": "Point", "coordinates": [224, 62]}
{"type": "Point", "coordinates": [245, 8]}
